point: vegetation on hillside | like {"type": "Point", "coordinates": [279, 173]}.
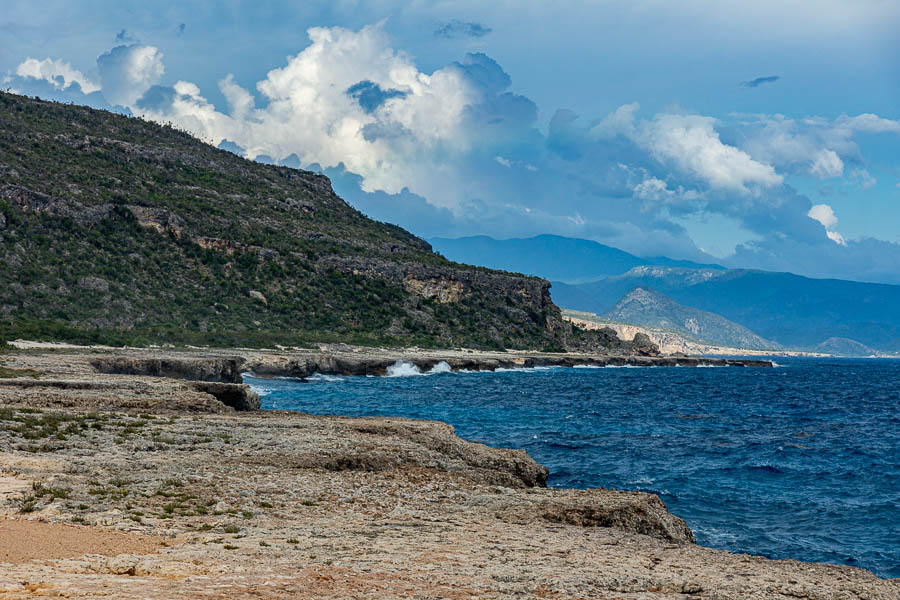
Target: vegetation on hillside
{"type": "Point", "coordinates": [116, 230]}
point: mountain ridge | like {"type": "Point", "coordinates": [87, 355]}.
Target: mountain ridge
{"type": "Point", "coordinates": [792, 310]}
{"type": "Point", "coordinates": [553, 257]}
{"type": "Point", "coordinates": [122, 231]}
{"type": "Point", "coordinates": [646, 306]}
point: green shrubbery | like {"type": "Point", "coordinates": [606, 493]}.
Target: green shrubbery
{"type": "Point", "coordinates": [115, 281]}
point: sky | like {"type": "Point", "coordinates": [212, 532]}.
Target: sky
{"type": "Point", "coordinates": [754, 134]}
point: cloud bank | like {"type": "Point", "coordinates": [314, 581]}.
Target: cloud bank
{"type": "Point", "coordinates": [456, 151]}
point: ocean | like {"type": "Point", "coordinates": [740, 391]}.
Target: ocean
{"type": "Point", "coordinates": [801, 461]}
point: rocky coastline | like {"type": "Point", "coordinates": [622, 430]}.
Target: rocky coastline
{"type": "Point", "coordinates": [135, 474]}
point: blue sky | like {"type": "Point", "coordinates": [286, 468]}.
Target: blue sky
{"type": "Point", "coordinates": [763, 134]}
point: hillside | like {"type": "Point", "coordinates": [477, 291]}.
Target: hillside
{"type": "Point", "coordinates": [795, 311]}
{"type": "Point", "coordinates": [553, 257]}
{"type": "Point", "coordinates": [118, 230]}
{"type": "Point", "coordinates": [645, 306]}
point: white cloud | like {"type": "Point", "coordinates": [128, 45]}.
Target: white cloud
{"type": "Point", "coordinates": [824, 214]}
{"type": "Point", "coordinates": [827, 164]}
{"type": "Point", "coordinates": [57, 72]}
{"type": "Point", "coordinates": [835, 237]}
{"type": "Point", "coordinates": [868, 123]}
{"type": "Point", "coordinates": [691, 143]}
{"type": "Point", "coordinates": [126, 72]}
{"type": "Point", "coordinates": [619, 122]}
{"type": "Point", "coordinates": [652, 189]}
{"type": "Point", "coordinates": [503, 161]}
{"type": "Point", "coordinates": [406, 141]}
{"type": "Point", "coordinates": [240, 101]}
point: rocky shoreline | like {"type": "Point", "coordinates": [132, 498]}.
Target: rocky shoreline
{"type": "Point", "coordinates": [340, 359]}
{"type": "Point", "coordinates": [148, 484]}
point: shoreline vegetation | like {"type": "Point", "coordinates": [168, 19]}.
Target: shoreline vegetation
{"type": "Point", "coordinates": [120, 470]}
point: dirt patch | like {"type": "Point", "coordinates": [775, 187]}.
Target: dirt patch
{"type": "Point", "coordinates": [22, 541]}
{"type": "Point", "coordinates": [10, 486]}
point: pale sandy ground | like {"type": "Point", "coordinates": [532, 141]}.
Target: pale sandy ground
{"type": "Point", "coordinates": [23, 541]}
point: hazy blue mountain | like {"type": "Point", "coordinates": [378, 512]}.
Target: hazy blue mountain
{"type": "Point", "coordinates": [550, 256]}
{"type": "Point", "coordinates": [792, 310]}
{"type": "Point", "coordinates": [646, 306]}
{"type": "Point", "coordinates": [843, 346]}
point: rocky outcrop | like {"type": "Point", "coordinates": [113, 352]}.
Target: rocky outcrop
{"type": "Point", "coordinates": [629, 511]}
{"type": "Point", "coordinates": [36, 202]}
{"type": "Point", "coordinates": [159, 219]}
{"type": "Point", "coordinates": [644, 346]}
{"type": "Point", "coordinates": [441, 289]}
{"type": "Point", "coordinates": [434, 280]}
{"type": "Point", "coordinates": [236, 395]}
{"type": "Point", "coordinates": [220, 369]}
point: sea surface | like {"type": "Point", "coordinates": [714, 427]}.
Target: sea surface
{"type": "Point", "coordinates": [800, 461]}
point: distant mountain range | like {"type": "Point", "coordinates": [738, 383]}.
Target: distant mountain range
{"type": "Point", "coordinates": [795, 311]}
{"type": "Point", "coordinates": [646, 306]}
{"type": "Point", "coordinates": [553, 257]}
{"type": "Point", "coordinates": [825, 315]}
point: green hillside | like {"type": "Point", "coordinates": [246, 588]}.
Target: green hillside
{"type": "Point", "coordinates": [118, 230]}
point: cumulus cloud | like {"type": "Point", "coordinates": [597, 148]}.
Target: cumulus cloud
{"type": "Point", "coordinates": [461, 29]}
{"type": "Point", "coordinates": [58, 73]}
{"type": "Point", "coordinates": [126, 72]}
{"type": "Point", "coordinates": [868, 123]}
{"type": "Point", "coordinates": [760, 81]}
{"type": "Point", "coordinates": [692, 144]}
{"type": "Point", "coordinates": [824, 214]}
{"type": "Point", "coordinates": [812, 146]}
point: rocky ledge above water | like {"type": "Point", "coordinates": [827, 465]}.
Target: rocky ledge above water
{"type": "Point", "coordinates": [349, 360]}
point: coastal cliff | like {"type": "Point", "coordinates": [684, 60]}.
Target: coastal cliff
{"type": "Point", "coordinates": [140, 234]}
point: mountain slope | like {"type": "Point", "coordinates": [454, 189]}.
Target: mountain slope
{"type": "Point", "coordinates": [645, 306]}
{"type": "Point", "coordinates": [550, 256]}
{"type": "Point", "coordinates": [792, 310]}
{"type": "Point", "coordinates": [114, 229]}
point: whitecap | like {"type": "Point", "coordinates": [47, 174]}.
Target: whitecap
{"type": "Point", "coordinates": [402, 368]}
{"type": "Point", "coordinates": [441, 367]}
{"type": "Point", "coordinates": [316, 377]}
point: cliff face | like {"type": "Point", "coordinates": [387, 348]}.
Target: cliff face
{"type": "Point", "coordinates": [116, 230]}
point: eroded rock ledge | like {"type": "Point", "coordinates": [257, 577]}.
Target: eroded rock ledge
{"type": "Point", "coordinates": [367, 361]}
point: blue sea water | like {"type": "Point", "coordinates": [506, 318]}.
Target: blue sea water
{"type": "Point", "coordinates": [800, 461]}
